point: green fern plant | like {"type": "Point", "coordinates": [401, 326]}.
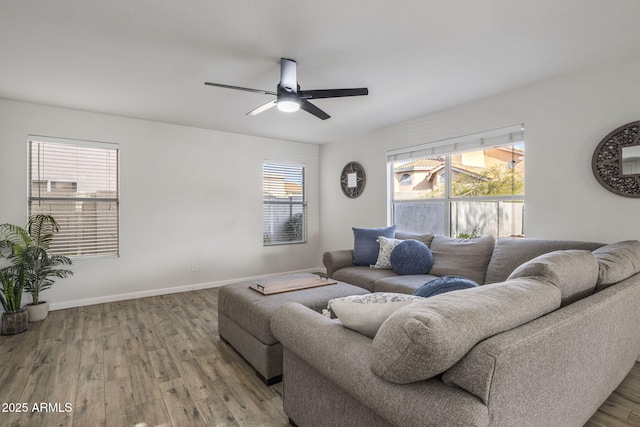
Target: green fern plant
{"type": "Point", "coordinates": [12, 280]}
{"type": "Point", "coordinates": [27, 251]}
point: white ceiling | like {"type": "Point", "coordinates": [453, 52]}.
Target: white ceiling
{"type": "Point", "coordinates": [148, 59]}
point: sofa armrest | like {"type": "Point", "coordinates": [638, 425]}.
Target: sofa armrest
{"type": "Point", "coordinates": [343, 357]}
{"type": "Point", "coordinates": [588, 346]}
{"type": "Point", "coordinates": [335, 260]}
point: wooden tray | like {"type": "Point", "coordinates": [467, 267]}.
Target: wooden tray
{"type": "Point", "coordinates": [279, 287]}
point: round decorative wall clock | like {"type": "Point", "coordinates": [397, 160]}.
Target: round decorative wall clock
{"type": "Point", "coordinates": [616, 161]}
{"type": "Point", "coordinates": [352, 180]}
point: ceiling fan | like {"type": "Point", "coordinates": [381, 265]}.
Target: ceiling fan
{"type": "Point", "coordinates": [290, 98]}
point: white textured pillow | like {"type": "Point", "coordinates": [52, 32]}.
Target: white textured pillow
{"type": "Point", "coordinates": [384, 254]}
{"type": "Point", "coordinates": [366, 313]}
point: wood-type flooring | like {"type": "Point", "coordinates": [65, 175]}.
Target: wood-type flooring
{"type": "Point", "coordinates": [159, 360]}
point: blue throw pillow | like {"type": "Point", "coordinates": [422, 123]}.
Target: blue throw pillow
{"type": "Point", "coordinates": [411, 257]}
{"type": "Point", "coordinates": [444, 284]}
{"type": "Point", "coordinates": [365, 246]}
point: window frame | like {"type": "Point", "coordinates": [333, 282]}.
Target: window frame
{"type": "Point", "coordinates": [295, 169]}
{"type": "Point", "coordinates": [77, 249]}
{"type": "Point", "coordinates": [513, 135]}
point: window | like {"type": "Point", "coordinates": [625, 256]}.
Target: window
{"type": "Point", "coordinates": [284, 204]}
{"type": "Point", "coordinates": [469, 186]}
{"type": "Point", "coordinates": [76, 182]}
{"type": "Point", "coordinates": [405, 179]}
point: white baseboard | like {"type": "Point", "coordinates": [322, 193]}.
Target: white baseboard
{"type": "Point", "coordinates": [165, 291]}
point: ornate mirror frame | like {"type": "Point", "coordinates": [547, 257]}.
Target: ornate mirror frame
{"type": "Point", "coordinates": [607, 161]}
{"type": "Point", "coordinates": [353, 180]}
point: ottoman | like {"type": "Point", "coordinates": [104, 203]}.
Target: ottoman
{"type": "Point", "coordinates": [244, 317]}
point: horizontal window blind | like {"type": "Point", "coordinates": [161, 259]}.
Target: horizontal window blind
{"type": "Point", "coordinates": [464, 186]}
{"type": "Point", "coordinates": [76, 182]}
{"type": "Point", "coordinates": [503, 136]}
{"type": "Point", "coordinates": [284, 204]}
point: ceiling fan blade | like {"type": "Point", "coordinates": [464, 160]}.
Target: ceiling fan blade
{"type": "Point", "coordinates": [333, 93]}
{"type": "Point", "coordinates": [310, 108]}
{"type": "Point", "coordinates": [288, 75]}
{"type": "Point", "coordinates": [246, 89]}
{"type": "Point", "coordinates": [263, 107]}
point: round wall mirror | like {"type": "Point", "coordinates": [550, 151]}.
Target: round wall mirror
{"type": "Point", "coordinates": [616, 161]}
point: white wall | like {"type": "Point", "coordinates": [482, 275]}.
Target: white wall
{"type": "Point", "coordinates": [565, 118]}
{"type": "Point", "coordinates": [193, 195]}
{"type": "Point", "coordinates": [187, 195]}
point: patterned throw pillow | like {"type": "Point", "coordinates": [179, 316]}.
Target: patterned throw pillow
{"type": "Point", "coordinates": [366, 313]}
{"type": "Point", "coordinates": [384, 255]}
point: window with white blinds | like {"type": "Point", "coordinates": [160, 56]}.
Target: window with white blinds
{"type": "Point", "coordinates": [76, 182]}
{"type": "Point", "coordinates": [463, 187]}
{"type": "Point", "coordinates": [284, 204]}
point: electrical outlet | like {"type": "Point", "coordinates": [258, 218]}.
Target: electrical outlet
{"type": "Point", "coordinates": [194, 266]}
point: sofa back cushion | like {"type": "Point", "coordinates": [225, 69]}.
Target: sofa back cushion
{"type": "Point", "coordinates": [461, 257]}
{"type": "Point", "coordinates": [429, 336]}
{"type": "Point", "coordinates": [509, 253]}
{"type": "Point", "coordinates": [406, 235]}
{"type": "Point", "coordinates": [361, 276]}
{"type": "Point", "coordinates": [574, 272]}
{"type": "Point", "coordinates": [617, 262]}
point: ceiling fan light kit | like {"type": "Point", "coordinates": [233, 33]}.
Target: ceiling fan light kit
{"type": "Point", "coordinates": [289, 97]}
{"type": "Point", "coordinates": [288, 103]}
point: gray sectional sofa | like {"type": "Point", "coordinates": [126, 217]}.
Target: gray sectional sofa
{"type": "Point", "coordinates": [544, 341]}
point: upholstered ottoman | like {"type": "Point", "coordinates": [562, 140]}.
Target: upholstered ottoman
{"type": "Point", "coordinates": [244, 317]}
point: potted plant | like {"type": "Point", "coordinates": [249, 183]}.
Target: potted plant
{"type": "Point", "coordinates": [28, 250]}
{"type": "Point", "coordinates": [15, 317]}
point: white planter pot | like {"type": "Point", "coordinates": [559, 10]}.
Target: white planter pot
{"type": "Point", "coordinates": [38, 312]}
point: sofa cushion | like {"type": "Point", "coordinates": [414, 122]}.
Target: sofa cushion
{"type": "Point", "coordinates": [411, 257]}
{"type": "Point", "coordinates": [401, 284]}
{"type": "Point", "coordinates": [405, 235]}
{"type": "Point", "coordinates": [461, 257]}
{"type": "Point", "coordinates": [365, 313]}
{"type": "Point", "coordinates": [364, 277]}
{"type": "Point", "coordinates": [509, 253]}
{"type": "Point", "coordinates": [429, 336]}
{"type": "Point", "coordinates": [365, 245]}
{"type": "Point", "coordinates": [444, 284]}
{"type": "Point", "coordinates": [384, 254]}
{"type": "Point", "coordinates": [617, 262]}
{"type": "Point", "coordinates": [574, 272]}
